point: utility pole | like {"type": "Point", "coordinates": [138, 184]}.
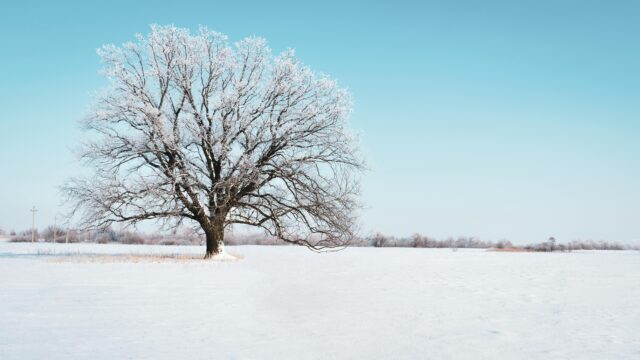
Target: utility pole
{"type": "Point", "coordinates": [33, 224]}
{"type": "Point", "coordinates": [55, 220]}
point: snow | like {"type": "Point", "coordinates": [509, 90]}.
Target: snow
{"type": "Point", "coordinates": [291, 303]}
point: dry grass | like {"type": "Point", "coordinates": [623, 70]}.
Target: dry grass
{"type": "Point", "coordinates": [142, 258]}
{"type": "Point", "coordinates": [510, 249]}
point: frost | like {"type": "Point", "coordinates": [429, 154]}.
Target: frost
{"type": "Point", "coordinates": [192, 126]}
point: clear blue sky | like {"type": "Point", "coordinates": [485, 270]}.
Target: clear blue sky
{"type": "Point", "coordinates": [498, 119]}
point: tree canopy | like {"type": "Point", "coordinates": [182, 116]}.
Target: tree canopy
{"type": "Point", "coordinates": [193, 128]}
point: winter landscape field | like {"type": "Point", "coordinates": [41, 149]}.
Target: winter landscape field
{"type": "Point", "coordinates": [320, 180]}
{"type": "Point", "coordinates": [60, 301]}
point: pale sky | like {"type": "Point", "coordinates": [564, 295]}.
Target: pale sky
{"type": "Point", "coordinates": [498, 119]}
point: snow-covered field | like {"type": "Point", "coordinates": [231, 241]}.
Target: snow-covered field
{"type": "Point", "coordinates": [290, 303]}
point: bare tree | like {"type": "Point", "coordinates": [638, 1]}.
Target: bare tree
{"type": "Point", "coordinates": [194, 128]}
{"type": "Point", "coordinates": [380, 240]}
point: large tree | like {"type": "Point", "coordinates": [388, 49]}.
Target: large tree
{"type": "Point", "coordinates": [195, 129]}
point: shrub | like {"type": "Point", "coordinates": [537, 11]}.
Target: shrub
{"type": "Point", "coordinates": [51, 232]}
{"type": "Point", "coordinates": [131, 238]}
{"type": "Point", "coordinates": [24, 236]}
{"type": "Point", "coordinates": [380, 240]}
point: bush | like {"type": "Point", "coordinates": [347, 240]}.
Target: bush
{"type": "Point", "coordinates": [171, 242]}
{"type": "Point", "coordinates": [380, 240]}
{"type": "Point", "coordinates": [131, 238]}
{"type": "Point", "coordinates": [24, 236]}
{"type": "Point", "coordinates": [20, 238]}
{"type": "Point", "coordinates": [103, 239]}
{"type": "Point", "coordinates": [503, 244]}
{"type": "Point", "coordinates": [51, 232]}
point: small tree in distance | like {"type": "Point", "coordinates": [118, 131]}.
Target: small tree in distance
{"type": "Point", "coordinates": [195, 129]}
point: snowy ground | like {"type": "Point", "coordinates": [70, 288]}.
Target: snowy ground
{"type": "Point", "coordinates": [290, 303]}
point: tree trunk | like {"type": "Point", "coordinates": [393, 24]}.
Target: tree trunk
{"type": "Point", "coordinates": [215, 238]}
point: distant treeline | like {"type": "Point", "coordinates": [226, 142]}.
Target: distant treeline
{"type": "Point", "coordinates": [421, 241]}
{"type": "Point", "coordinates": [190, 237]}
{"type": "Point", "coordinates": [182, 237]}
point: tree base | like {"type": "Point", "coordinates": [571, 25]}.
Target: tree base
{"type": "Point", "coordinates": [220, 256]}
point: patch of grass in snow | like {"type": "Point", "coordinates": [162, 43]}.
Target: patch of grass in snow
{"type": "Point", "coordinates": [510, 249]}
{"type": "Point", "coordinates": [144, 258]}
